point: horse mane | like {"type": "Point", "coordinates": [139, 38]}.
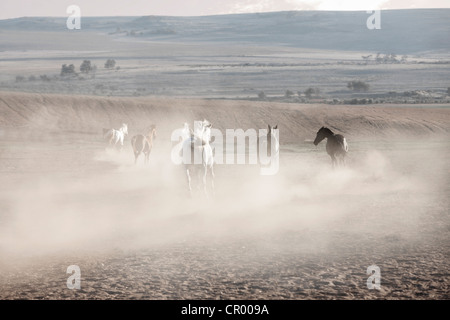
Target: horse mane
{"type": "Point", "coordinates": [327, 130]}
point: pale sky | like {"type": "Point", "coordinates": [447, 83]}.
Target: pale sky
{"type": "Point", "coordinates": [30, 8]}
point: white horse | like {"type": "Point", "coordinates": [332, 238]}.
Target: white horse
{"type": "Point", "coordinates": [200, 149]}
{"type": "Point", "coordinates": [113, 136]}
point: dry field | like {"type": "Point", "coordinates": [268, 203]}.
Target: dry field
{"type": "Point", "coordinates": [308, 232]}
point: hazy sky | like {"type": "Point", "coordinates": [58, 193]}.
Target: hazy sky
{"type": "Point", "coordinates": [21, 8]}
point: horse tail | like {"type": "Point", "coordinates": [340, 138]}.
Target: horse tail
{"type": "Point", "coordinates": [345, 145]}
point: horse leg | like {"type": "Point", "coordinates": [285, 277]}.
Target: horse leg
{"type": "Point", "coordinates": [147, 155]}
{"type": "Point", "coordinates": [114, 143]}
{"type": "Point", "coordinates": [189, 181]}
{"type": "Point", "coordinates": [212, 180]}
{"type": "Point", "coordinates": [205, 173]}
{"type": "Point", "coordinates": [333, 161]}
{"type": "Point", "coordinates": [121, 144]}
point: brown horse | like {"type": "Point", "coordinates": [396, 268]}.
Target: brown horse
{"type": "Point", "coordinates": [336, 146]}
{"type": "Point", "coordinates": [143, 144]}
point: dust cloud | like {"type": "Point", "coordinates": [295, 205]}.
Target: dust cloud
{"type": "Point", "coordinates": [92, 199]}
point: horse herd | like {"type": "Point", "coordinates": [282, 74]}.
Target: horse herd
{"type": "Point", "coordinates": [198, 140]}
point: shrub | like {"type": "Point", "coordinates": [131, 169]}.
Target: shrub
{"type": "Point", "coordinates": [261, 95]}
{"type": "Point", "coordinates": [20, 78]}
{"type": "Point", "coordinates": [86, 66]}
{"type": "Point", "coordinates": [67, 70]}
{"type": "Point", "coordinates": [311, 92]}
{"type": "Point", "coordinates": [288, 93]}
{"type": "Point", "coordinates": [358, 86]}
{"type": "Point", "coordinates": [110, 64]}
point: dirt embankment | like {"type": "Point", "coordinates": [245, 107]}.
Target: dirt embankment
{"type": "Point", "coordinates": [89, 114]}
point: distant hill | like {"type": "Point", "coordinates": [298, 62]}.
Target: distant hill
{"type": "Point", "coordinates": [402, 31]}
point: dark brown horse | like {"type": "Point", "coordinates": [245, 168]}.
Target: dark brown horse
{"type": "Point", "coordinates": [143, 144]}
{"type": "Point", "coordinates": [336, 145]}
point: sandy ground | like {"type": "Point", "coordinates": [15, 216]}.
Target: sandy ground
{"type": "Point", "coordinates": [308, 232]}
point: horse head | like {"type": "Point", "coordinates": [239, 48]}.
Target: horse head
{"type": "Point", "coordinates": [206, 124]}
{"type": "Point", "coordinates": [271, 135]}
{"type": "Point", "coordinates": [322, 134]}
{"type": "Point", "coordinates": [270, 130]}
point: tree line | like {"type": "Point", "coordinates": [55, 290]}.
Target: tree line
{"type": "Point", "coordinates": [86, 67]}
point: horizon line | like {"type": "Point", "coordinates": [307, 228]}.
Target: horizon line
{"type": "Point", "coordinates": [225, 14]}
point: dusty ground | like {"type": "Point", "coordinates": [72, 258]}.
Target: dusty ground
{"type": "Point", "coordinates": [306, 233]}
